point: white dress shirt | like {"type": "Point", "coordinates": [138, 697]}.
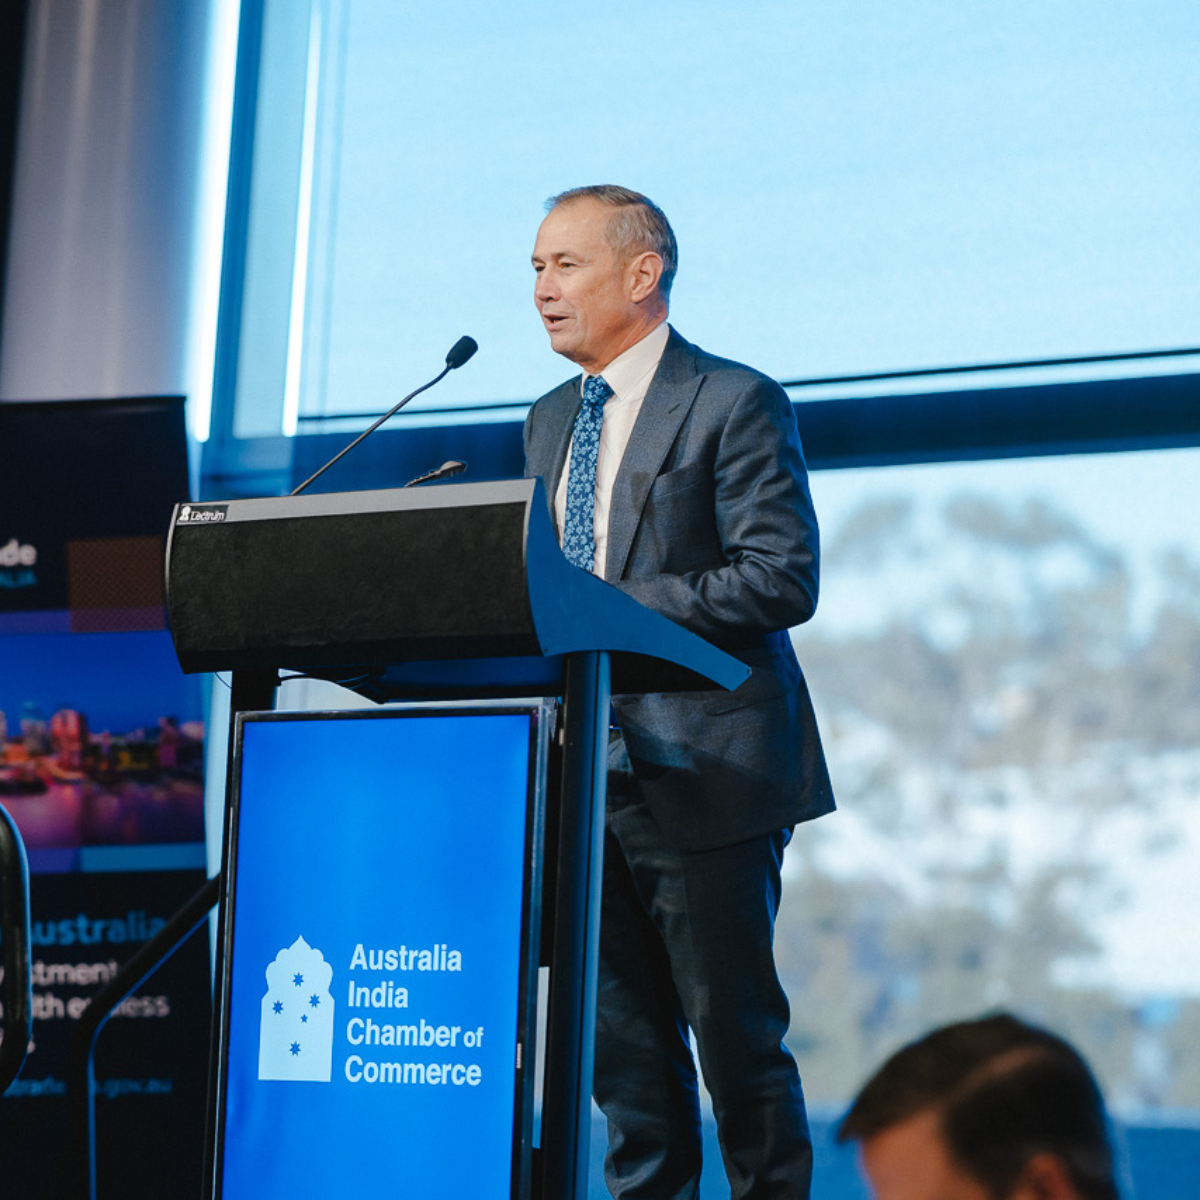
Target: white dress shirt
{"type": "Point", "coordinates": [629, 376]}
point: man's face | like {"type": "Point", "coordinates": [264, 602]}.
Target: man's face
{"type": "Point", "coordinates": [909, 1161]}
{"type": "Point", "coordinates": [583, 291]}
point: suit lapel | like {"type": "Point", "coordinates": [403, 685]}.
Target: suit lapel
{"type": "Point", "coordinates": [667, 402]}
{"type": "Point", "coordinates": [556, 417]}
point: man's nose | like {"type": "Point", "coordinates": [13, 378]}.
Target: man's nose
{"type": "Point", "coordinates": [545, 287]}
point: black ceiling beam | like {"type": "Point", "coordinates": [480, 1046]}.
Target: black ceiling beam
{"type": "Point", "coordinates": [1097, 416]}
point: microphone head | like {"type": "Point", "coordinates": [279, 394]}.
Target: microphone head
{"type": "Point", "coordinates": [461, 351]}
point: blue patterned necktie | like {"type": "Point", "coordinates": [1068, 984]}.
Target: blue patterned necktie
{"type": "Point", "coordinates": [579, 535]}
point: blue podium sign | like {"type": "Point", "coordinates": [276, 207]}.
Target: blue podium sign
{"type": "Point", "coordinates": [376, 978]}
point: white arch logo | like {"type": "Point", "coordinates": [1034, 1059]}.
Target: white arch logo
{"type": "Point", "coordinates": [296, 1032]}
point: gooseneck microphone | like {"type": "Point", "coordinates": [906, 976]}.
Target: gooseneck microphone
{"type": "Point", "coordinates": [459, 353]}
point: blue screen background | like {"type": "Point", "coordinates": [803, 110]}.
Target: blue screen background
{"type": "Point", "coordinates": [388, 831]}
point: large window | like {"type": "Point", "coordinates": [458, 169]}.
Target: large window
{"type": "Point", "coordinates": [856, 187]}
{"type": "Point", "coordinates": [1006, 656]}
{"type": "Point", "coordinates": [1006, 665]}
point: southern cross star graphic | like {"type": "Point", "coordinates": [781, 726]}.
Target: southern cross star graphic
{"type": "Point", "coordinates": [277, 1006]}
{"type": "Point", "coordinates": [298, 979]}
{"type": "Point", "coordinates": [314, 1000]}
{"type": "Point", "coordinates": [295, 1048]}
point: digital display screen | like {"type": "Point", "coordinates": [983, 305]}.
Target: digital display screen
{"type": "Point", "coordinates": [375, 957]}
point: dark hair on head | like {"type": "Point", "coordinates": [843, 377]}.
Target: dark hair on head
{"type": "Point", "coordinates": [1003, 1091]}
{"type": "Point", "coordinates": [636, 225]}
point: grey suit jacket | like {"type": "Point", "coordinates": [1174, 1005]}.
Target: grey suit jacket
{"type": "Point", "coordinates": [711, 525]}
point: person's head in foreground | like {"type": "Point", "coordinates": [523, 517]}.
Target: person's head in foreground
{"type": "Point", "coordinates": [992, 1109]}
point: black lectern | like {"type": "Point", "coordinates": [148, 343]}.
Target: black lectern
{"type": "Point", "coordinates": [454, 592]}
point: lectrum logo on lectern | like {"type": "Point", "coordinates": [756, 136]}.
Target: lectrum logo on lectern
{"type": "Point", "coordinates": [209, 514]}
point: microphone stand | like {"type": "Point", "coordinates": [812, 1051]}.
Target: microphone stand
{"type": "Point", "coordinates": [459, 353]}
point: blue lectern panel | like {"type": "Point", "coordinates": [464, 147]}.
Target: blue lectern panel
{"type": "Point", "coordinates": [375, 955]}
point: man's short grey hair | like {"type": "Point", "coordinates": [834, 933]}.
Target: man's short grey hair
{"type": "Point", "coordinates": [636, 225]}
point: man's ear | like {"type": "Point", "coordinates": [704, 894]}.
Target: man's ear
{"type": "Point", "coordinates": [642, 275]}
{"type": "Point", "coordinates": [1045, 1177]}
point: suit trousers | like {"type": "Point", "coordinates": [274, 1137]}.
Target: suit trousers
{"type": "Point", "coordinates": [686, 943]}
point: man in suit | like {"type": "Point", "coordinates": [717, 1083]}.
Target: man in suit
{"type": "Point", "coordinates": [679, 478]}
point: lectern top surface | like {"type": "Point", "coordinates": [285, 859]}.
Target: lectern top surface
{"type": "Point", "coordinates": [274, 508]}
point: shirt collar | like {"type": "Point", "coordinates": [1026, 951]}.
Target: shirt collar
{"type": "Point", "coordinates": [633, 366]}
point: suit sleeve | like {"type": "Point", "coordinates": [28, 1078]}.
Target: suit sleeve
{"type": "Point", "coordinates": [765, 577]}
